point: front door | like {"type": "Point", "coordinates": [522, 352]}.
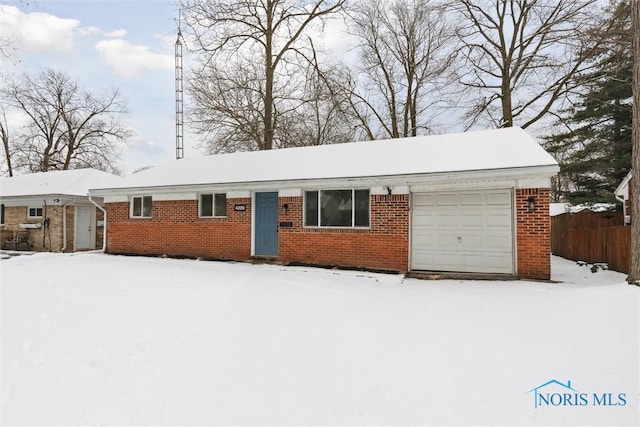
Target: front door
{"type": "Point", "coordinates": [266, 224]}
{"type": "Point", "coordinates": [83, 228]}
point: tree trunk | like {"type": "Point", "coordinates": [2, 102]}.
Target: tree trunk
{"type": "Point", "coordinates": [4, 135]}
{"type": "Point", "coordinates": [634, 272]}
{"type": "Point", "coordinates": [507, 108]}
{"type": "Point", "coordinates": [268, 90]}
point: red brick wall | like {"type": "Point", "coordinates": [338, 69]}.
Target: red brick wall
{"type": "Point", "coordinates": [176, 230]}
{"type": "Point", "coordinates": [533, 234]}
{"type": "Point", "coordinates": [384, 246]}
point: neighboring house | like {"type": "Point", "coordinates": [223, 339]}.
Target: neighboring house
{"type": "Point", "coordinates": [474, 202]}
{"type": "Point", "coordinates": [623, 194]}
{"type": "Point", "coordinates": [556, 209]}
{"type": "Point", "coordinates": [55, 208]}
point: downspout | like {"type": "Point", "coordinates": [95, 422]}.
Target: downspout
{"type": "Point", "coordinates": [104, 229]}
{"type": "Point", "coordinates": [64, 227]}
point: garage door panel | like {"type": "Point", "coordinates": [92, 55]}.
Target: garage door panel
{"type": "Point", "coordinates": [447, 259]}
{"type": "Point", "coordinates": [446, 220]}
{"type": "Point", "coordinates": [447, 199]}
{"type": "Point", "coordinates": [469, 231]}
{"type": "Point", "coordinates": [471, 199]}
{"type": "Point", "coordinates": [472, 219]}
{"type": "Point", "coordinates": [501, 198]}
{"type": "Point", "coordinates": [499, 220]}
{"type": "Point", "coordinates": [422, 199]}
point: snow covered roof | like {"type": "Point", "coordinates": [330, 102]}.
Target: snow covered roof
{"type": "Point", "coordinates": [562, 208]}
{"type": "Point", "coordinates": [623, 188]}
{"type": "Point", "coordinates": [558, 208]}
{"type": "Point", "coordinates": [75, 182]}
{"type": "Point", "coordinates": [472, 151]}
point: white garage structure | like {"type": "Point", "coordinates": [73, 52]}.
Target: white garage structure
{"type": "Point", "coordinates": [463, 231]}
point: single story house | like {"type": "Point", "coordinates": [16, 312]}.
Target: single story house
{"type": "Point", "coordinates": [623, 195]}
{"type": "Point", "coordinates": [474, 202]}
{"type": "Point", "coordinates": [56, 209]}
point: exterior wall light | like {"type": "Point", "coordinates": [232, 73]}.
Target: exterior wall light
{"type": "Point", "coordinates": [531, 203]}
{"type": "Point", "coordinates": [285, 207]}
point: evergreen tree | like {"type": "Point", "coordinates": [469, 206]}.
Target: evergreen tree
{"type": "Point", "coordinates": [595, 153]}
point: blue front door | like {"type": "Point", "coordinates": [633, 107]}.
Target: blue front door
{"type": "Point", "coordinates": [266, 224]}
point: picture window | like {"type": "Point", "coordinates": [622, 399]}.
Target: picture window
{"type": "Point", "coordinates": [337, 208]}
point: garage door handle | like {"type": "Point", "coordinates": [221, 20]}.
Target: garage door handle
{"type": "Point", "coordinates": [459, 239]}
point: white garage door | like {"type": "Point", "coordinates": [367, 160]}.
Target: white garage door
{"type": "Point", "coordinates": [465, 231]}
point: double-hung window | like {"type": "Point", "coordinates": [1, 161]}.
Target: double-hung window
{"type": "Point", "coordinates": [213, 205]}
{"type": "Point", "coordinates": [336, 208]}
{"type": "Point", "coordinates": [34, 212]}
{"type": "Point", "coordinates": [141, 207]}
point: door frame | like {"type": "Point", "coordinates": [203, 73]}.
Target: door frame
{"type": "Point", "coordinates": [253, 224]}
{"type": "Point", "coordinates": [92, 225]}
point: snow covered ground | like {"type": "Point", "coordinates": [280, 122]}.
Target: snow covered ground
{"type": "Point", "coordinates": [91, 339]}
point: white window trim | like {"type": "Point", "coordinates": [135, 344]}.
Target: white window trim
{"type": "Point", "coordinates": [141, 207]}
{"type": "Point", "coordinates": [353, 211]}
{"type": "Point", "coordinates": [213, 207]}
{"type": "Point", "coordinates": [29, 216]}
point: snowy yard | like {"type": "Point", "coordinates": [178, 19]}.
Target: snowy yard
{"type": "Point", "coordinates": [90, 339]}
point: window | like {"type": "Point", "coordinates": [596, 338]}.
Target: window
{"type": "Point", "coordinates": [336, 208]}
{"type": "Point", "coordinates": [141, 207]}
{"type": "Point", "coordinates": [1, 214]}
{"type": "Point", "coordinates": [34, 212]}
{"type": "Point", "coordinates": [213, 204]}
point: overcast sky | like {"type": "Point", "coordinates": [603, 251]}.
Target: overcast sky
{"type": "Point", "coordinates": [128, 45]}
{"type": "Point", "coordinates": [123, 44]}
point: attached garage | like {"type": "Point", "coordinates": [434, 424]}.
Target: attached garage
{"type": "Point", "coordinates": [463, 231]}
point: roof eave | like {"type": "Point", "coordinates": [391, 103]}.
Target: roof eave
{"type": "Point", "coordinates": [43, 196]}
{"type": "Point", "coordinates": [542, 171]}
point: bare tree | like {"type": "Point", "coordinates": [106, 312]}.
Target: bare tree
{"type": "Point", "coordinates": [522, 55]}
{"type": "Point", "coordinates": [4, 136]}
{"type": "Point", "coordinates": [68, 127]}
{"type": "Point", "coordinates": [324, 115]}
{"type": "Point", "coordinates": [251, 56]}
{"type": "Point", "coordinates": [406, 49]}
{"type": "Point", "coordinates": [634, 271]}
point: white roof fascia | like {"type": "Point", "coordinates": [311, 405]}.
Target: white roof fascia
{"type": "Point", "coordinates": [39, 200]}
{"type": "Point", "coordinates": [528, 172]}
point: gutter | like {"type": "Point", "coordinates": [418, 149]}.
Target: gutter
{"type": "Point", "coordinates": [64, 226]}
{"type": "Point", "coordinates": [383, 180]}
{"type": "Point", "coordinates": [104, 230]}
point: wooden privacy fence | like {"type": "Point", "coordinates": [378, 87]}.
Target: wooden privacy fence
{"type": "Point", "coordinates": [591, 240]}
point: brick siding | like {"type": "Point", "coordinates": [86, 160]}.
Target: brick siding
{"type": "Point", "coordinates": [533, 234]}
{"type": "Point", "coordinates": [384, 245]}
{"type": "Point", "coordinates": [176, 230]}
{"type": "Point", "coordinates": [15, 215]}
{"type": "Point", "coordinates": [54, 242]}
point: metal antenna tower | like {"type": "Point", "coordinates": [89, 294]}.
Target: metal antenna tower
{"type": "Point", "coordinates": [179, 96]}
